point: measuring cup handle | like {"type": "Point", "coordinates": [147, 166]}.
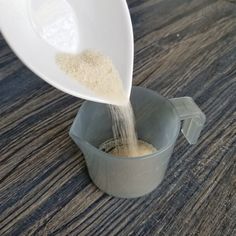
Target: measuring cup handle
{"type": "Point", "coordinates": [191, 115]}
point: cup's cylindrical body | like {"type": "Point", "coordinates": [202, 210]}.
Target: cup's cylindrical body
{"type": "Point", "coordinates": [156, 122]}
{"type": "Point", "coordinates": [125, 177]}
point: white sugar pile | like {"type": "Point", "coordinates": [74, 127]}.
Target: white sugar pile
{"type": "Point", "coordinates": [96, 72]}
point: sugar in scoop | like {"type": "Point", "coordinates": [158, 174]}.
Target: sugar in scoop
{"type": "Point", "coordinates": [96, 72]}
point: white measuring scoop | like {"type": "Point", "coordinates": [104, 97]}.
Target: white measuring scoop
{"type": "Point", "coordinates": [38, 29]}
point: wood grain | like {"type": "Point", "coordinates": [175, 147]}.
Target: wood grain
{"type": "Point", "coordinates": [182, 48]}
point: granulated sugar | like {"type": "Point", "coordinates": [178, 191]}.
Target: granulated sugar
{"type": "Point", "coordinates": [97, 73]}
{"type": "Point", "coordinates": [143, 149]}
{"type": "Point", "coordinates": [118, 148]}
{"type": "Point", "coordinates": [124, 128]}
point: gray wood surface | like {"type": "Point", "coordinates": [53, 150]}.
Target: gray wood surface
{"type": "Point", "coordinates": [182, 48]}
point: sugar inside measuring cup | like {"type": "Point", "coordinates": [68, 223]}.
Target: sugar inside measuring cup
{"type": "Point", "coordinates": [37, 30]}
{"type": "Point", "coordinates": [158, 122]}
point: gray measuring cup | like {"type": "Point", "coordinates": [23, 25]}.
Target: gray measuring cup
{"type": "Point", "coordinates": [158, 122]}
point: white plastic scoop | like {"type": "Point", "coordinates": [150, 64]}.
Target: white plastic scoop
{"type": "Point", "coordinates": [38, 29]}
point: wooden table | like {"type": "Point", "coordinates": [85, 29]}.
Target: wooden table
{"type": "Point", "coordinates": [182, 48]}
